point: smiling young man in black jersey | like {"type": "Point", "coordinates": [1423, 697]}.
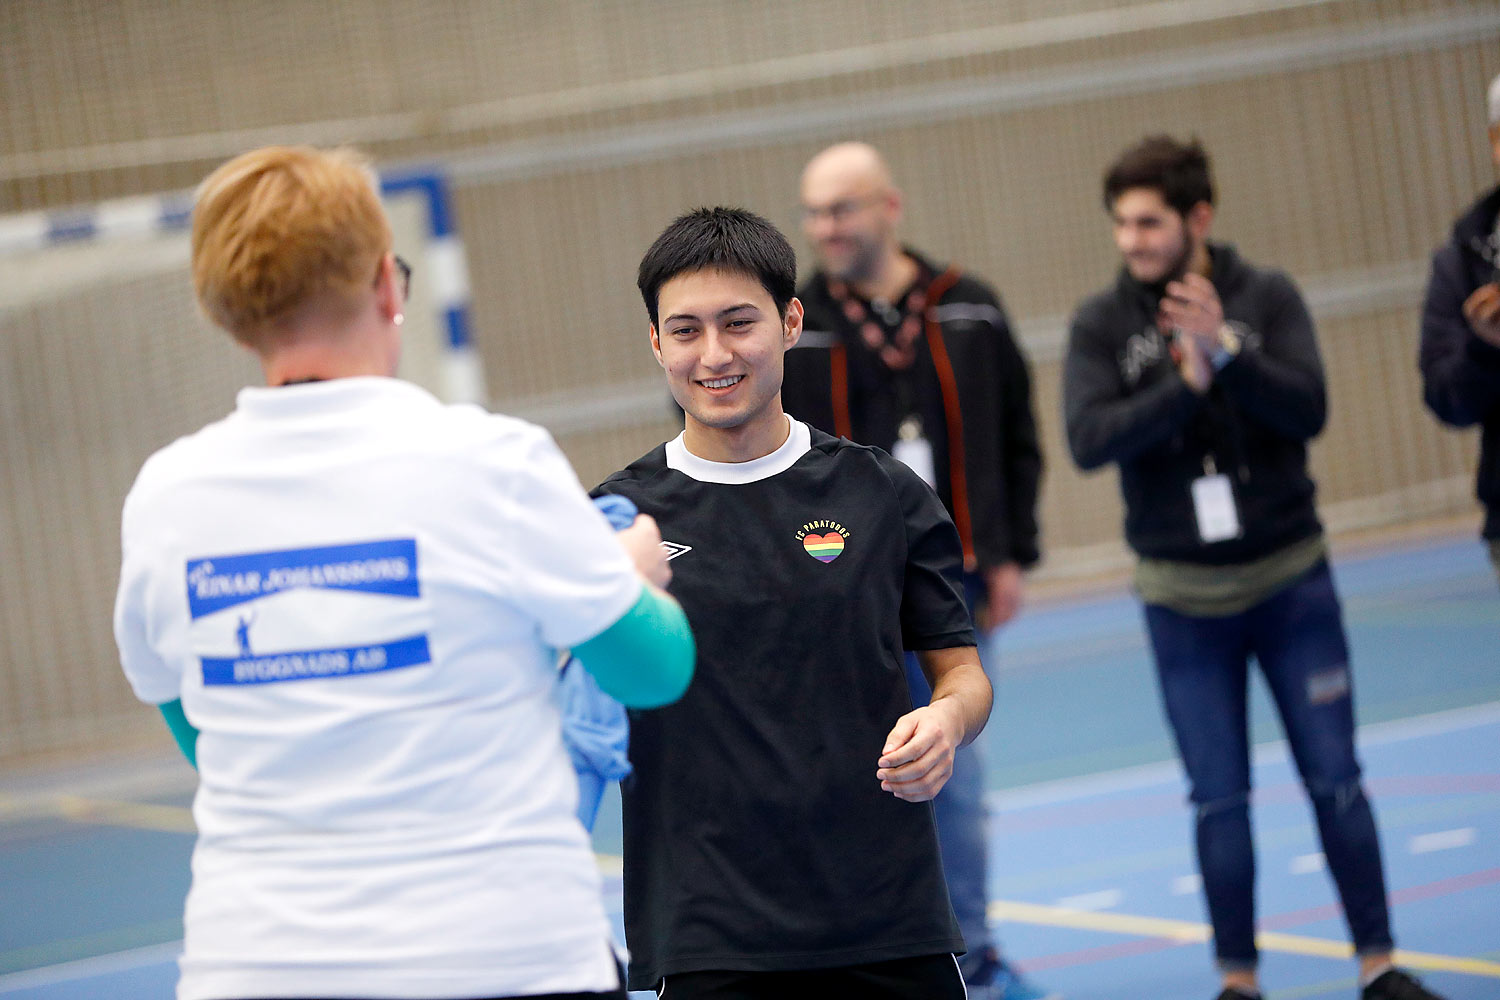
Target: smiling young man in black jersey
{"type": "Point", "coordinates": [778, 832]}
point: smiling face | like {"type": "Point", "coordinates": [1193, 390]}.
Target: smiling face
{"type": "Point", "coordinates": [1151, 237]}
{"type": "Point", "coordinates": [721, 341]}
{"type": "Point", "coordinates": [1156, 242]}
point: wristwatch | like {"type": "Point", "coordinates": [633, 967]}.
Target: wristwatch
{"type": "Point", "coordinates": [1230, 343]}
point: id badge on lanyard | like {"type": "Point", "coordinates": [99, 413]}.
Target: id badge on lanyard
{"type": "Point", "coordinates": [913, 450]}
{"type": "Point", "coordinates": [1213, 505]}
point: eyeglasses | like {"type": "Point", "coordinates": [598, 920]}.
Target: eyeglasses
{"type": "Point", "coordinates": [403, 269]}
{"type": "Point", "coordinates": [839, 210]}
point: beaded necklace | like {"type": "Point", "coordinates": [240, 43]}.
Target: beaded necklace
{"type": "Point", "coordinates": [898, 350]}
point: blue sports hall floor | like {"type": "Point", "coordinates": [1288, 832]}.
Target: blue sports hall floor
{"type": "Point", "coordinates": [1092, 886]}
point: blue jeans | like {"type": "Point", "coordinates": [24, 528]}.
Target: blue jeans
{"type": "Point", "coordinates": [962, 820]}
{"type": "Point", "coordinates": [1297, 637]}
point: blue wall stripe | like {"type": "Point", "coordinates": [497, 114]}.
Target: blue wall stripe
{"type": "Point", "coordinates": [434, 185]}
{"type": "Point", "coordinates": [72, 226]}
{"type": "Point", "coordinates": [176, 212]}
{"type": "Point", "coordinates": [458, 326]}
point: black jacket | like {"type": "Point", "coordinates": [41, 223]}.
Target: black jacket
{"type": "Point", "coordinates": [1125, 402]}
{"type": "Point", "coordinates": [972, 385]}
{"type": "Point", "coordinates": [1460, 372]}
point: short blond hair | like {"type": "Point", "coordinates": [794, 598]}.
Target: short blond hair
{"type": "Point", "coordinates": [283, 228]}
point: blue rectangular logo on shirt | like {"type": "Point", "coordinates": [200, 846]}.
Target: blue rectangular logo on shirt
{"type": "Point", "coordinates": [316, 663]}
{"type": "Point", "coordinates": [229, 598]}
{"type": "Point", "coordinates": [383, 567]}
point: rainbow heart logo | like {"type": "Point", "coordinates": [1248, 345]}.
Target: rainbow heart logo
{"type": "Point", "coordinates": [824, 548]}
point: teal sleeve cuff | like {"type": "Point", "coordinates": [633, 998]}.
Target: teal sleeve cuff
{"type": "Point", "coordinates": [182, 730]}
{"type": "Point", "coordinates": [644, 660]}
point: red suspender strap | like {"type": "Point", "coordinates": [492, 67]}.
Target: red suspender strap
{"type": "Point", "coordinates": [957, 476]}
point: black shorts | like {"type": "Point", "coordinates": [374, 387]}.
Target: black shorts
{"type": "Point", "coordinates": [926, 977]}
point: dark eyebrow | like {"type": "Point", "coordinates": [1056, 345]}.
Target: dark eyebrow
{"type": "Point", "coordinates": [721, 314]}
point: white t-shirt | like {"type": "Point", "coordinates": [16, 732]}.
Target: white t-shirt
{"type": "Point", "coordinates": [355, 591]}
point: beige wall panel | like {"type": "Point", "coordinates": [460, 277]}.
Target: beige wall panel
{"type": "Point", "coordinates": [1380, 439]}
{"type": "Point", "coordinates": [1077, 509]}
{"type": "Point", "coordinates": [89, 384]}
{"type": "Point", "coordinates": [1344, 172]}
{"type": "Point", "coordinates": [598, 454]}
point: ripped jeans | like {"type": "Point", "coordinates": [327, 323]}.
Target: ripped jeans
{"type": "Point", "coordinates": [1297, 637]}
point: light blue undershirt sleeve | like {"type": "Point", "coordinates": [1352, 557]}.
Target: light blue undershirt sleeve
{"type": "Point", "coordinates": [644, 660]}
{"type": "Point", "coordinates": [182, 730]}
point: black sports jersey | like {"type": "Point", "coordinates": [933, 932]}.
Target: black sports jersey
{"type": "Point", "coordinates": [757, 836]}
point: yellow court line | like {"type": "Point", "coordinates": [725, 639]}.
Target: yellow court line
{"type": "Point", "coordinates": [165, 819]}
{"type": "Point", "coordinates": [1189, 932]}
{"type": "Point", "coordinates": [1097, 920]}
{"type": "Point", "coordinates": [135, 815]}
{"type": "Point", "coordinates": [103, 812]}
{"type": "Point", "coordinates": [179, 819]}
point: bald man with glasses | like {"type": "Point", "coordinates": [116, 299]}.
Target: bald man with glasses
{"type": "Point", "coordinates": [917, 358]}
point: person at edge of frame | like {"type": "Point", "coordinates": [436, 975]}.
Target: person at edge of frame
{"type": "Point", "coordinates": [1198, 373]}
{"type": "Point", "coordinates": [1460, 353]}
{"type": "Point", "coordinates": [917, 358]}
{"type": "Point", "coordinates": [345, 597]}
{"type": "Point", "coordinates": [779, 839]}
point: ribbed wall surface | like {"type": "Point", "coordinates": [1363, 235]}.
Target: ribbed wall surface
{"type": "Point", "coordinates": [1346, 134]}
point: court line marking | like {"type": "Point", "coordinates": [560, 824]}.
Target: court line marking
{"type": "Point", "coordinates": [1188, 932]}
{"type": "Point", "coordinates": [101, 812]}
{"type": "Point", "coordinates": [1271, 752]}
{"type": "Point", "coordinates": [1307, 864]}
{"type": "Point", "coordinates": [1178, 931]}
{"type": "Point", "coordinates": [58, 950]}
{"type": "Point", "coordinates": [1343, 985]}
{"type": "Point", "coordinates": [178, 819]}
{"type": "Point", "coordinates": [1398, 897]}
{"type": "Point", "coordinates": [1187, 885]}
{"type": "Point", "coordinates": [88, 968]}
{"type": "Point", "coordinates": [1443, 840]}
{"type": "Point", "coordinates": [137, 815]}
{"type": "Point", "coordinates": [1103, 899]}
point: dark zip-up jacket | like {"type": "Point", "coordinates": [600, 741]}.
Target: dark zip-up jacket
{"type": "Point", "coordinates": [1124, 401]}
{"type": "Point", "coordinates": [970, 383]}
{"type": "Point", "coordinates": [1460, 372]}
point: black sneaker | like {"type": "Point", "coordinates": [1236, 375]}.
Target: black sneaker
{"type": "Point", "coordinates": [1393, 984]}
